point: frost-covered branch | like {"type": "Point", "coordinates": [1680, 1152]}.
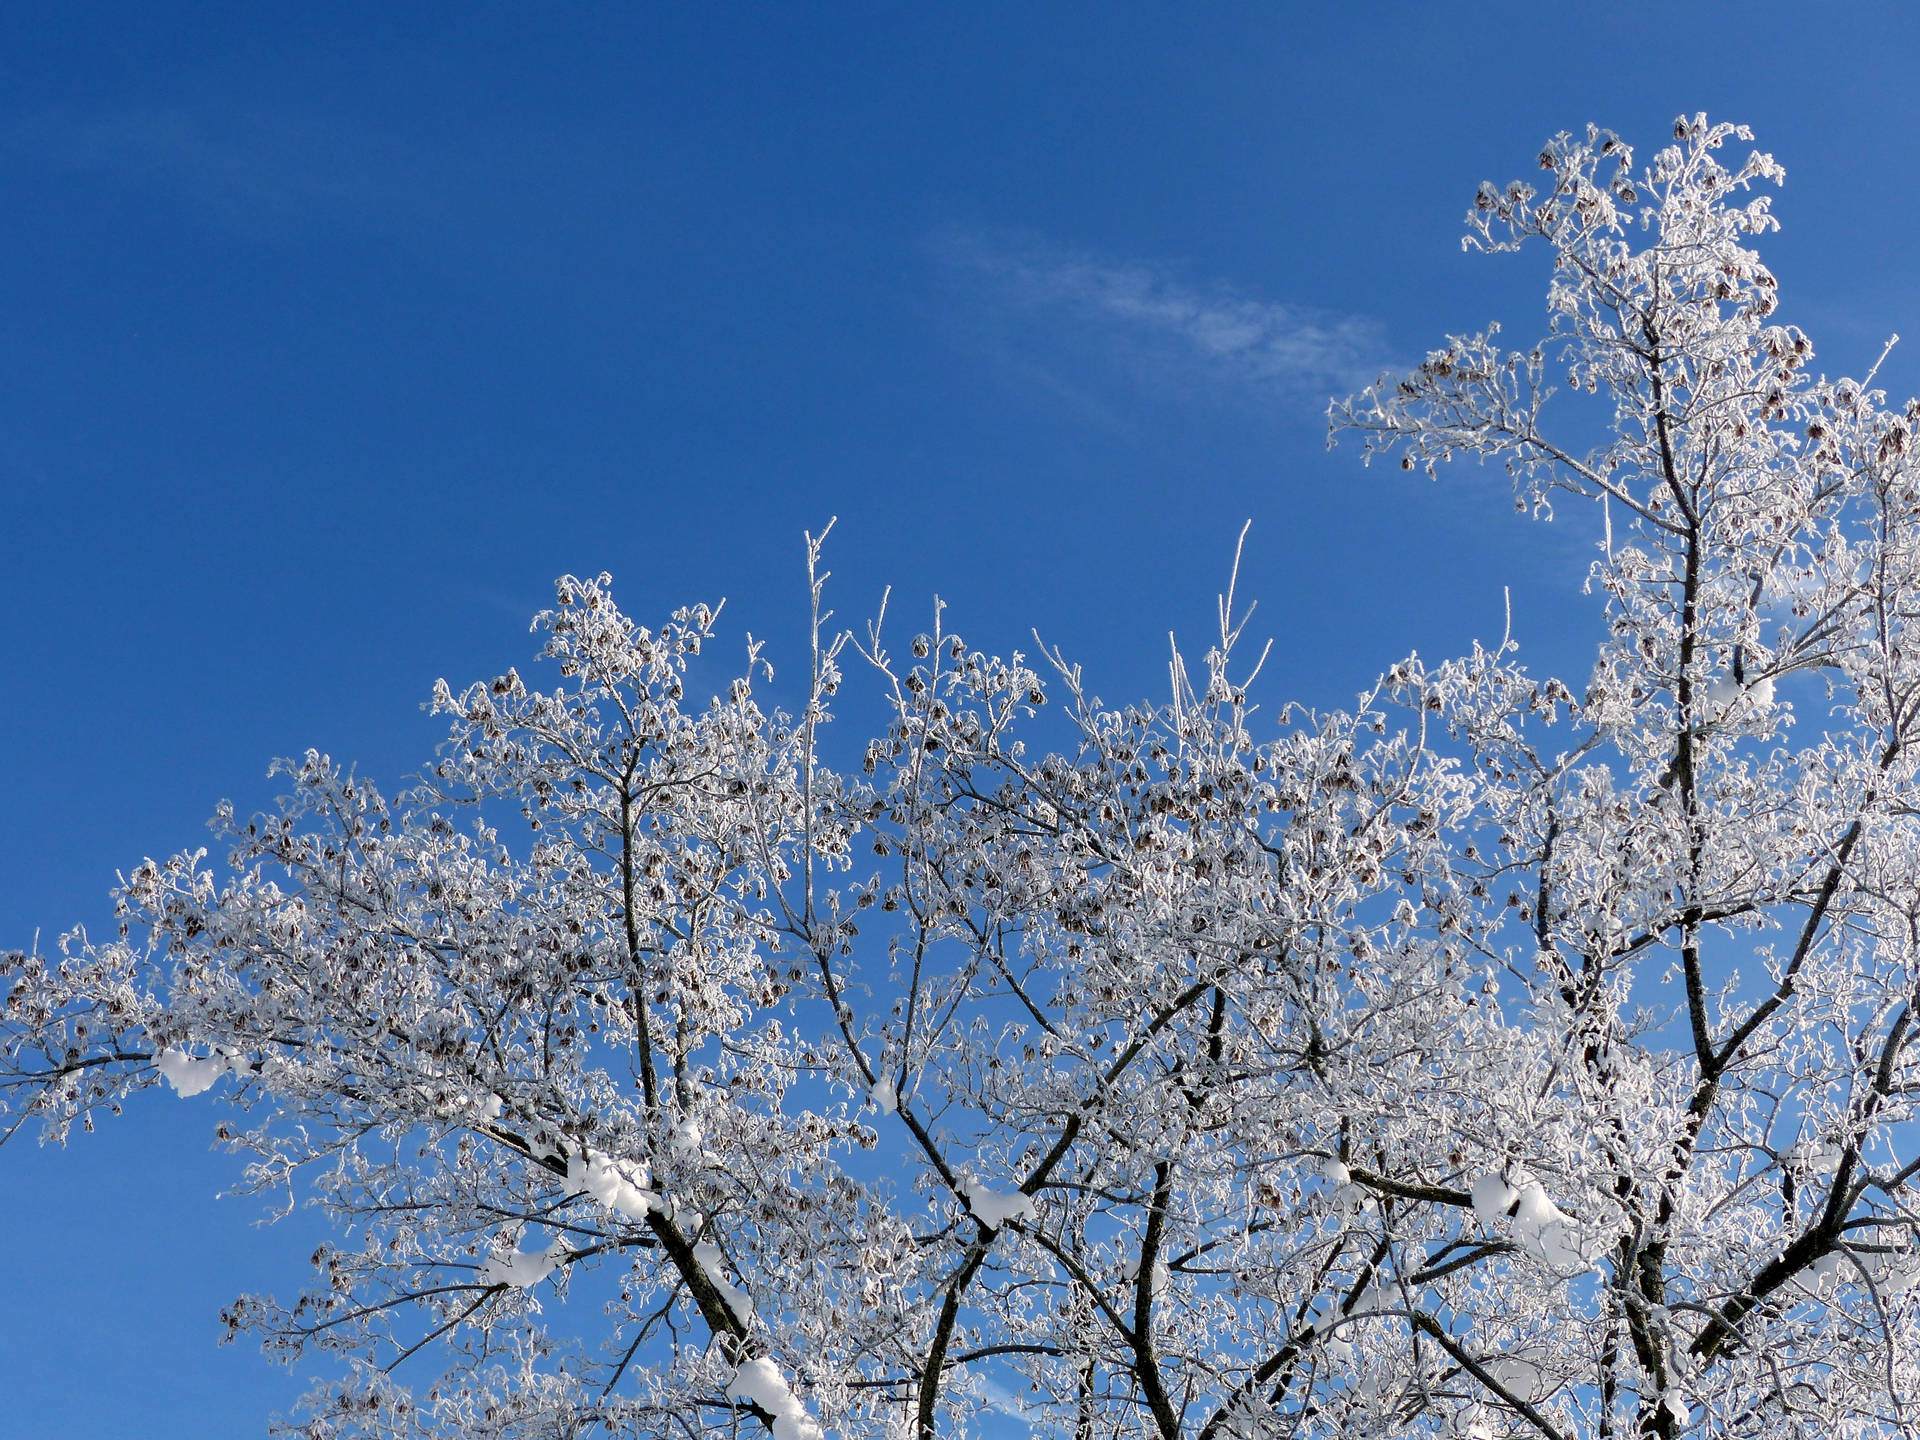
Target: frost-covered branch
{"type": "Point", "coordinates": [1506, 1055]}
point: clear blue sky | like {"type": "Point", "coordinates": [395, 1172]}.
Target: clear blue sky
{"type": "Point", "coordinates": [330, 335]}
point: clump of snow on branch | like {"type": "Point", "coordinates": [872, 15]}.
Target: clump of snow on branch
{"type": "Point", "coordinates": [995, 1208]}
{"type": "Point", "coordinates": [620, 1187]}
{"type": "Point", "coordinates": [707, 1255]}
{"type": "Point", "coordinates": [521, 1268]}
{"type": "Point", "coordinates": [759, 1382]}
{"type": "Point", "coordinates": [191, 1075]}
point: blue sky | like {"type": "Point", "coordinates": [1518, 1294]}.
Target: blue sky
{"type": "Point", "coordinates": [328, 338]}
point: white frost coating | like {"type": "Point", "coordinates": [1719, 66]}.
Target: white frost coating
{"type": "Point", "coordinates": [737, 1300]}
{"type": "Point", "coordinates": [993, 1209]}
{"type": "Point", "coordinates": [1544, 1232]}
{"type": "Point", "coordinates": [189, 1075]}
{"type": "Point", "coordinates": [614, 1184]}
{"type": "Point", "coordinates": [1492, 1198]}
{"type": "Point", "coordinates": [521, 1268]}
{"type": "Point", "coordinates": [759, 1382]}
{"type": "Point", "coordinates": [1336, 1172]}
{"type": "Point", "coordinates": [885, 1099]}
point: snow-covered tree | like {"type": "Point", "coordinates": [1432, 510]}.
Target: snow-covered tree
{"type": "Point", "coordinates": [1503, 1057]}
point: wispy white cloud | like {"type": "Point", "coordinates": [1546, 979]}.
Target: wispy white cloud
{"type": "Point", "coordinates": [261, 170]}
{"type": "Point", "coordinates": [1067, 318]}
{"type": "Point", "coordinates": [1002, 1400]}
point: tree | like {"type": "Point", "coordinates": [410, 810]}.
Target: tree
{"type": "Point", "coordinates": [1498, 1058]}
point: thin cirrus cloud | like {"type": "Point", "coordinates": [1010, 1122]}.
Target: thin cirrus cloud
{"type": "Point", "coordinates": [253, 172]}
{"type": "Point", "coordinates": [1079, 325]}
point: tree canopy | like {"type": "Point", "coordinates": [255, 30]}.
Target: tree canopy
{"type": "Point", "coordinates": [1503, 1056]}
